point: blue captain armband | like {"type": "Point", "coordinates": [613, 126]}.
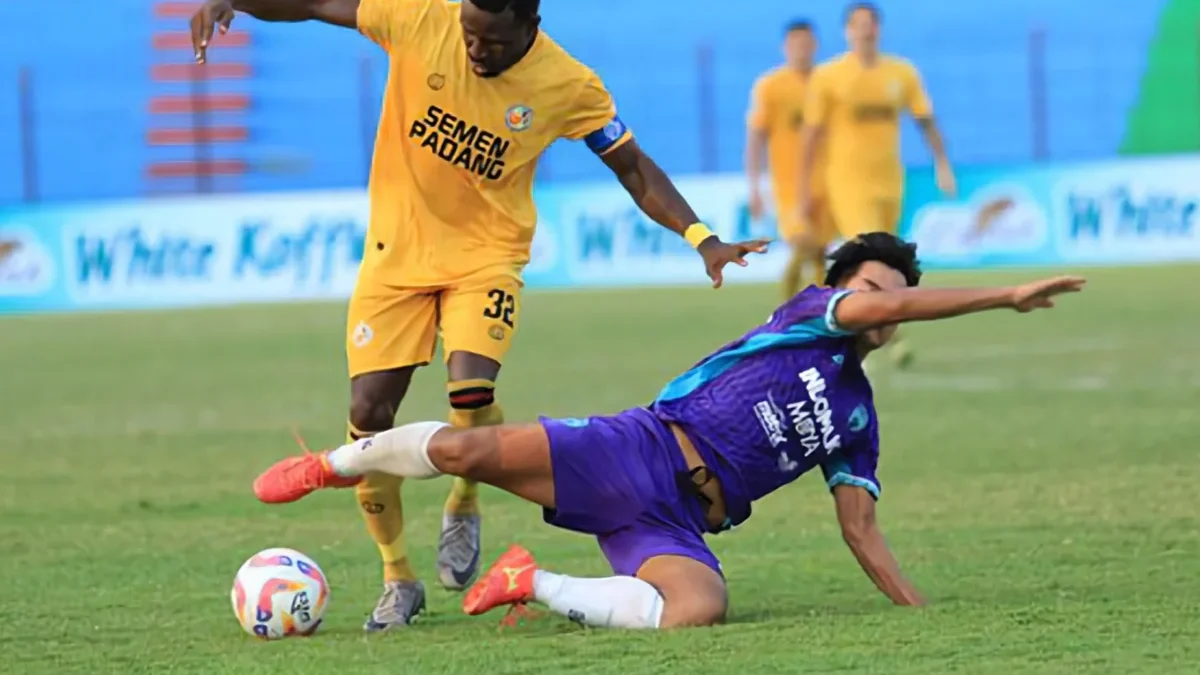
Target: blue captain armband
{"type": "Point", "coordinates": [606, 138]}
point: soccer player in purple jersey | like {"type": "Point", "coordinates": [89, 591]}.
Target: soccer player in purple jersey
{"type": "Point", "coordinates": [788, 397]}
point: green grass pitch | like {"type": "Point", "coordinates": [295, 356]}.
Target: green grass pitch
{"type": "Point", "coordinates": [1038, 477]}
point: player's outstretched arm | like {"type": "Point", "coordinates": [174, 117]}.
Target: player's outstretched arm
{"type": "Point", "coordinates": [871, 309]}
{"type": "Point", "coordinates": [216, 15]}
{"type": "Point", "coordinates": [657, 197]}
{"type": "Point", "coordinates": [856, 515]}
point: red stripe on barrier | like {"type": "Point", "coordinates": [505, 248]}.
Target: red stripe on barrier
{"type": "Point", "coordinates": [220, 167]}
{"type": "Point", "coordinates": [171, 105]}
{"type": "Point", "coordinates": [183, 40]}
{"type": "Point", "coordinates": [193, 136]}
{"type": "Point", "coordinates": [186, 72]}
{"type": "Point", "coordinates": [175, 10]}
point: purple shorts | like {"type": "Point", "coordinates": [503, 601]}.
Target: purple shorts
{"type": "Point", "coordinates": [615, 477]}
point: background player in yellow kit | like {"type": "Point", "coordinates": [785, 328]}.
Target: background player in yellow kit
{"type": "Point", "coordinates": [774, 124]}
{"type": "Point", "coordinates": [475, 94]}
{"type": "Point", "coordinates": [852, 113]}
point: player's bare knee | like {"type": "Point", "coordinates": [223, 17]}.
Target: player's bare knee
{"type": "Point", "coordinates": [467, 366]}
{"type": "Point", "coordinates": [374, 398]}
{"type": "Point", "coordinates": [466, 453]}
{"type": "Point", "coordinates": [800, 242]}
{"type": "Point", "coordinates": [371, 413]}
{"type": "Point", "coordinates": [805, 246]}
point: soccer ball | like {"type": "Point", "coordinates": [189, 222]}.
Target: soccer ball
{"type": "Point", "coordinates": [278, 593]}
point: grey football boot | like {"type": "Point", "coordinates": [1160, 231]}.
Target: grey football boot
{"type": "Point", "coordinates": [399, 606]}
{"type": "Point", "coordinates": [458, 551]}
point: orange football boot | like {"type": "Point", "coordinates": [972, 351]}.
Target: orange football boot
{"type": "Point", "coordinates": [296, 477]}
{"type": "Point", "coordinates": [508, 582]}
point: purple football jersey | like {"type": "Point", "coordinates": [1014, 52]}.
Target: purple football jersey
{"type": "Point", "coordinates": [787, 397]}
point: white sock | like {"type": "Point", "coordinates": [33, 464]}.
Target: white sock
{"type": "Point", "coordinates": [403, 451]}
{"type": "Point", "coordinates": [613, 602]}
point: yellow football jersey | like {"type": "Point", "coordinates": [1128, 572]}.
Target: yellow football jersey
{"type": "Point", "coordinates": [860, 108]}
{"type": "Point", "coordinates": [451, 187]}
{"type": "Point", "coordinates": [777, 110]}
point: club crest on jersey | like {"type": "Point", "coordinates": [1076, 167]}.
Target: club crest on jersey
{"type": "Point", "coordinates": [519, 117]}
{"type": "Point", "coordinates": [859, 419]}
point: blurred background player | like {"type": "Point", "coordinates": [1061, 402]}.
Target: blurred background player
{"type": "Point", "coordinates": [852, 114]}
{"type": "Point", "coordinates": [757, 414]}
{"type": "Point", "coordinates": [452, 220]}
{"type": "Point", "coordinates": [773, 124]}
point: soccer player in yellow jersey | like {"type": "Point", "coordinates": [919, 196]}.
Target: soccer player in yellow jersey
{"type": "Point", "coordinates": [476, 92]}
{"type": "Point", "coordinates": [774, 124]}
{"type": "Point", "coordinates": [852, 112]}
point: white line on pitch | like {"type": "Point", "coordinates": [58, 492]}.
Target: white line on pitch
{"type": "Point", "coordinates": [1085, 383]}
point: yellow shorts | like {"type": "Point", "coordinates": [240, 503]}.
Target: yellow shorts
{"type": "Point", "coordinates": [855, 214]}
{"type": "Point", "coordinates": [389, 327]}
{"type": "Point", "coordinates": [791, 226]}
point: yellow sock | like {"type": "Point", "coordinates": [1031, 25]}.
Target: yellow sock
{"type": "Point", "coordinates": [818, 266]}
{"type": "Point", "coordinates": [793, 274]}
{"type": "Point", "coordinates": [379, 500]}
{"type": "Point", "coordinates": [472, 404]}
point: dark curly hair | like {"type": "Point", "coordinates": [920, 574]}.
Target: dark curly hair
{"type": "Point", "coordinates": [523, 10]}
{"type": "Point", "coordinates": [881, 247]}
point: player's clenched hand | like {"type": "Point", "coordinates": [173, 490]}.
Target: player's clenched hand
{"type": "Point", "coordinates": [717, 254]}
{"type": "Point", "coordinates": [756, 205]}
{"type": "Point", "coordinates": [212, 15]}
{"type": "Point", "coordinates": [946, 183]}
{"type": "Point", "coordinates": [1040, 294]}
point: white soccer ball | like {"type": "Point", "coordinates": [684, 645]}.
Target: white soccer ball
{"type": "Point", "coordinates": [278, 593]}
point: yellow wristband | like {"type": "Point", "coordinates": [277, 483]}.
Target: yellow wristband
{"type": "Point", "coordinates": [697, 233]}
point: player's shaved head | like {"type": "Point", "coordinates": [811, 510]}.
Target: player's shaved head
{"type": "Point", "coordinates": [800, 44]}
{"type": "Point", "coordinates": [862, 27]}
{"type": "Point", "coordinates": [799, 26]}
{"type": "Point", "coordinates": [498, 33]}
{"type": "Point", "coordinates": [523, 10]}
{"type": "Point", "coordinates": [879, 247]}
{"type": "Point", "coordinates": [869, 9]}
